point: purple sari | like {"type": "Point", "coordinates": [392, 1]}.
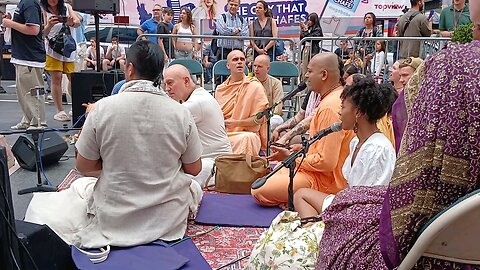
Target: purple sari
{"type": "Point", "coordinates": [399, 119]}
{"type": "Point", "coordinates": [439, 162]}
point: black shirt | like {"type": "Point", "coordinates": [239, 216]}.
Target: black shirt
{"type": "Point", "coordinates": [342, 54]}
{"type": "Point", "coordinates": [164, 28]}
{"type": "Point", "coordinates": [27, 47]}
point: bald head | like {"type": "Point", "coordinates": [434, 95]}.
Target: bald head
{"type": "Point", "coordinates": [177, 71]}
{"type": "Point", "coordinates": [178, 82]}
{"type": "Point", "coordinates": [323, 72]}
{"type": "Point", "coordinates": [328, 61]}
{"type": "Point", "coordinates": [261, 67]}
{"type": "Point", "coordinates": [236, 64]}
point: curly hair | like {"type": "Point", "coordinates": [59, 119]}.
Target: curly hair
{"type": "Point", "coordinates": [372, 99]}
{"type": "Point", "coordinates": [189, 19]}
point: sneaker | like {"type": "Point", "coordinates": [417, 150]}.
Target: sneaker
{"type": "Point", "coordinates": [2, 91]}
{"type": "Point", "coordinates": [49, 97]}
{"type": "Point", "coordinates": [35, 127]}
{"type": "Point", "coordinates": [62, 117]}
{"type": "Point", "coordinates": [20, 126]}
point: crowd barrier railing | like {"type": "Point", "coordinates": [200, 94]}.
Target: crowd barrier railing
{"type": "Point", "coordinates": [425, 46]}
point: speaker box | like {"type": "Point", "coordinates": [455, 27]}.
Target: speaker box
{"type": "Point", "coordinates": [53, 148]}
{"type": "Point", "coordinates": [46, 248]}
{"type": "Point", "coordinates": [90, 86]}
{"type": "Point", "coordinates": [97, 6]}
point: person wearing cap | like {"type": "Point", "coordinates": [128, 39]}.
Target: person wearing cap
{"type": "Point", "coordinates": [399, 114]}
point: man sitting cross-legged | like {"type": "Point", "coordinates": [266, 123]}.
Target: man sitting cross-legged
{"type": "Point", "coordinates": [322, 167]}
{"type": "Point", "coordinates": [205, 111]}
{"type": "Point", "coordinates": [143, 147]}
{"type": "Point", "coordinates": [241, 98]}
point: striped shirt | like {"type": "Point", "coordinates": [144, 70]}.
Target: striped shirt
{"type": "Point", "coordinates": [227, 28]}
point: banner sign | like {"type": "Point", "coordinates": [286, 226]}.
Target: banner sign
{"type": "Point", "coordinates": [338, 17]}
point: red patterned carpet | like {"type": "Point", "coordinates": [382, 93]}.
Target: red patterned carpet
{"type": "Point", "coordinates": [222, 247]}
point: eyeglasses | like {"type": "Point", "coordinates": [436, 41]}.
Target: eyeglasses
{"type": "Point", "coordinates": [156, 9]}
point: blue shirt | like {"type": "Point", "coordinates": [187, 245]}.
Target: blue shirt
{"type": "Point", "coordinates": [80, 33]}
{"type": "Point", "coordinates": [150, 27]}
{"type": "Point", "coordinates": [117, 87]}
{"type": "Point", "coordinates": [227, 27]}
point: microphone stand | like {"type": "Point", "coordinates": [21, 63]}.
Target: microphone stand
{"type": "Point", "coordinates": [268, 113]}
{"type": "Point", "coordinates": [42, 185]}
{"type": "Point", "coordinates": [290, 163]}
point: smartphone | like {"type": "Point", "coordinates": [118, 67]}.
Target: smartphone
{"type": "Point", "coordinates": [62, 19]}
{"type": "Point", "coordinates": [432, 12]}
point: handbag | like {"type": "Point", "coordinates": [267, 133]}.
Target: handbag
{"type": "Point", "coordinates": [235, 173]}
{"type": "Point", "coordinates": [287, 245]}
{"type": "Point", "coordinates": [63, 42]}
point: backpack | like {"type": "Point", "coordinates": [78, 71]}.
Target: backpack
{"type": "Point", "coordinates": [63, 42]}
{"type": "Point", "coordinates": [214, 45]}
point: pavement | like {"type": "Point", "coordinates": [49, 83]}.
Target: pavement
{"type": "Point", "coordinates": [10, 114]}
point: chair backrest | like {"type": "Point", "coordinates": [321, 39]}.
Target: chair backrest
{"type": "Point", "coordinates": [193, 66]}
{"type": "Point", "coordinates": [220, 68]}
{"type": "Point", "coordinates": [451, 235]}
{"type": "Point", "coordinates": [281, 69]}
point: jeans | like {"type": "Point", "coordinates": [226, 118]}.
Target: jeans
{"type": "Point", "coordinates": [183, 54]}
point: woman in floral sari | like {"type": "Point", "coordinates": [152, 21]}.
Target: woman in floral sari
{"type": "Point", "coordinates": [439, 162]}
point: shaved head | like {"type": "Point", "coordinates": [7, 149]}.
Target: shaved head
{"type": "Point", "coordinates": [264, 59]}
{"type": "Point", "coordinates": [177, 71]}
{"type": "Point", "coordinates": [261, 67]}
{"type": "Point", "coordinates": [236, 63]}
{"type": "Point", "coordinates": [323, 72]}
{"type": "Point", "coordinates": [178, 82]}
{"type": "Point", "coordinates": [328, 61]}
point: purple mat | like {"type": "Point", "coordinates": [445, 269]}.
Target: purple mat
{"type": "Point", "coordinates": [156, 255]}
{"type": "Point", "coordinates": [233, 210]}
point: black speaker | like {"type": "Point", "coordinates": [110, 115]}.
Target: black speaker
{"type": "Point", "coordinates": [53, 148]}
{"type": "Point", "coordinates": [90, 86]}
{"type": "Point", "coordinates": [97, 6]}
{"type": "Point", "coordinates": [45, 247]}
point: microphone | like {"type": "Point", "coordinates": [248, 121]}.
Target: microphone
{"type": "Point", "coordinates": [259, 183]}
{"type": "Point", "coordinates": [322, 133]}
{"type": "Point", "coordinates": [290, 94]}
{"type": "Point", "coordinates": [302, 86]}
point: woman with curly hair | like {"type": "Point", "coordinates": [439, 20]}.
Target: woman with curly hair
{"type": "Point", "coordinates": [372, 157]}
{"type": "Point", "coordinates": [184, 46]}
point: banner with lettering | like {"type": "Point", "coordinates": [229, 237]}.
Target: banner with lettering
{"type": "Point", "coordinates": [338, 17]}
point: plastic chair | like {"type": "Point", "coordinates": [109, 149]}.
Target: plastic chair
{"type": "Point", "coordinates": [281, 69]}
{"type": "Point", "coordinates": [193, 66]}
{"type": "Point", "coordinates": [220, 69]}
{"type": "Point", "coordinates": [451, 235]}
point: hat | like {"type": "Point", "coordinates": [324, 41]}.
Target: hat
{"type": "Point", "coordinates": [413, 62]}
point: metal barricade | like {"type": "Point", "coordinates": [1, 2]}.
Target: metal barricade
{"type": "Point", "coordinates": [427, 46]}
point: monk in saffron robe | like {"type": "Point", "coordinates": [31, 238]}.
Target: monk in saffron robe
{"type": "Point", "coordinates": [241, 98]}
{"type": "Point", "coordinates": [322, 167]}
